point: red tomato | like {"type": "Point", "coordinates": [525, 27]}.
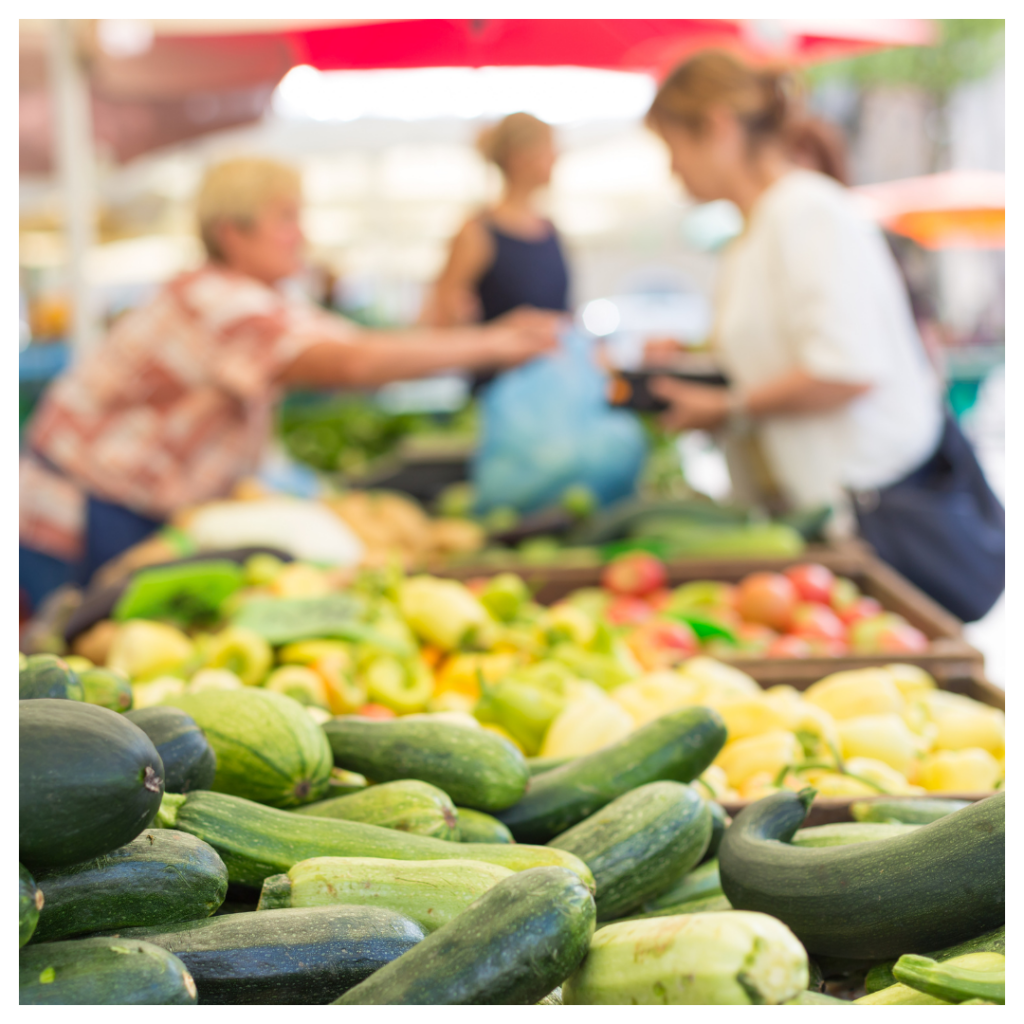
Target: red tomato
{"type": "Point", "coordinates": [635, 574]}
{"type": "Point", "coordinates": [844, 594]}
{"type": "Point", "coordinates": [862, 608]}
{"type": "Point", "coordinates": [812, 620]}
{"type": "Point", "coordinates": [790, 647]}
{"type": "Point", "coordinates": [887, 634]}
{"type": "Point", "coordinates": [754, 637]}
{"type": "Point", "coordinates": [628, 611]}
{"type": "Point", "coordinates": [821, 648]}
{"type": "Point", "coordinates": [375, 711]}
{"type": "Point", "coordinates": [768, 598]}
{"type": "Point", "coordinates": [813, 582]}
{"type": "Point", "coordinates": [660, 599]}
{"type": "Point", "coordinates": [660, 645]}
{"type": "Point", "coordinates": [477, 585]}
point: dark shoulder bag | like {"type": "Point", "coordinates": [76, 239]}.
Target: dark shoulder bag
{"type": "Point", "coordinates": [942, 528]}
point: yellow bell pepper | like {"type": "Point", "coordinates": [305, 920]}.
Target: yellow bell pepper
{"type": "Point", "coordinates": [770, 752]}
{"type": "Point", "coordinates": [306, 652]}
{"type": "Point", "coordinates": [300, 579]}
{"type": "Point", "coordinates": [214, 679]}
{"type": "Point", "coordinates": [961, 722]}
{"type": "Point", "coordinates": [971, 770]}
{"type": "Point", "coordinates": [300, 683]}
{"type": "Point", "coordinates": [442, 612]}
{"type": "Point", "coordinates": [458, 672]}
{"type": "Point", "coordinates": [882, 737]}
{"type": "Point", "coordinates": [585, 725]}
{"type": "Point", "coordinates": [757, 786]}
{"type": "Point", "coordinates": [883, 775]}
{"type": "Point", "coordinates": [450, 700]}
{"type": "Point", "coordinates": [910, 680]}
{"type": "Point", "coordinates": [800, 716]}
{"type": "Point", "coordinates": [655, 695]}
{"type": "Point", "coordinates": [404, 685]}
{"type": "Point", "coordinates": [751, 716]}
{"type": "Point", "coordinates": [345, 694]}
{"type": "Point", "coordinates": [835, 784]}
{"type": "Point", "coordinates": [864, 691]}
{"type": "Point", "coordinates": [240, 651]}
{"type": "Point", "coordinates": [569, 622]}
{"type": "Point", "coordinates": [715, 780]}
{"type": "Point", "coordinates": [144, 650]}
{"type": "Point", "coordinates": [719, 682]}
{"type": "Point", "coordinates": [156, 691]}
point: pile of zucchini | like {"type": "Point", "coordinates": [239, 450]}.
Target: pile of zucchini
{"type": "Point", "coordinates": [211, 855]}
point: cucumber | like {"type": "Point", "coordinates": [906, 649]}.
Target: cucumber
{"type": "Point", "coordinates": [537, 765]}
{"type": "Point", "coordinates": [429, 892]}
{"type": "Point", "coordinates": [639, 843]}
{"type": "Point", "coordinates": [47, 676]}
{"type": "Point", "coordinates": [30, 903]}
{"type": "Point", "coordinates": [106, 688]}
{"type": "Point", "coordinates": [713, 903]}
{"type": "Point", "coordinates": [189, 760]}
{"type": "Point", "coordinates": [407, 805]}
{"type": "Point", "coordinates": [268, 748]}
{"type": "Point", "coordinates": [697, 884]}
{"type": "Point", "coordinates": [474, 767]}
{"type": "Point", "coordinates": [846, 833]}
{"type": "Point", "coordinates": [808, 998]}
{"type": "Point", "coordinates": [676, 747]}
{"type": "Point", "coordinates": [941, 883]}
{"type": "Point", "coordinates": [908, 811]}
{"type": "Point", "coordinates": [285, 956]}
{"type": "Point", "coordinates": [102, 971]}
{"type": "Point", "coordinates": [477, 827]}
{"type": "Point", "coordinates": [89, 781]}
{"type": "Point", "coordinates": [719, 823]}
{"type": "Point", "coordinates": [974, 976]}
{"type": "Point", "coordinates": [159, 878]}
{"type": "Point", "coordinates": [880, 975]}
{"type": "Point", "coordinates": [512, 946]}
{"type": "Point", "coordinates": [255, 841]}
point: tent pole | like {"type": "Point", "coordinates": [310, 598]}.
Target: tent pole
{"type": "Point", "coordinates": [76, 163]}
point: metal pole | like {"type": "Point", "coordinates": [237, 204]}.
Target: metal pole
{"type": "Point", "coordinates": [76, 166]}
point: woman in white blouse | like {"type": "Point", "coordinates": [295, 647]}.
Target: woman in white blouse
{"type": "Point", "coordinates": [828, 377]}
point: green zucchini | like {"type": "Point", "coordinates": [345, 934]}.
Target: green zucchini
{"type": "Point", "coordinates": [159, 878]}
{"type": "Point", "coordinates": [899, 995]}
{"type": "Point", "coordinates": [880, 975]}
{"type": "Point", "coordinates": [429, 892]}
{"type": "Point", "coordinates": [407, 805]}
{"type": "Point", "coordinates": [285, 956]}
{"type": "Point", "coordinates": [30, 903]}
{"type": "Point", "coordinates": [268, 748]}
{"type": "Point", "coordinates": [638, 843]}
{"type": "Point", "coordinates": [255, 841]}
{"type": "Point", "coordinates": [698, 884]}
{"type": "Point", "coordinates": [189, 760]}
{"type": "Point", "coordinates": [89, 781]}
{"type": "Point", "coordinates": [512, 946]}
{"type": "Point", "coordinates": [537, 765]}
{"type": "Point", "coordinates": [973, 976]}
{"type": "Point", "coordinates": [102, 971]}
{"type": "Point", "coordinates": [939, 884]}
{"type": "Point", "coordinates": [676, 747]}
{"type": "Point", "coordinates": [846, 833]}
{"type": "Point", "coordinates": [474, 767]}
{"type": "Point", "coordinates": [808, 998]}
{"type": "Point", "coordinates": [736, 958]}
{"type": "Point", "coordinates": [909, 811]}
{"type": "Point", "coordinates": [719, 823]}
{"type": "Point", "coordinates": [553, 998]}
{"type": "Point", "coordinates": [47, 676]}
{"type": "Point", "coordinates": [477, 827]}
{"type": "Point", "coordinates": [106, 688]}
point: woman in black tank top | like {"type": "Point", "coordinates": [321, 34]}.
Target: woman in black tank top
{"type": "Point", "coordinates": [507, 257]}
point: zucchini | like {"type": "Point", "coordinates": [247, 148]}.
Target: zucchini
{"type": "Point", "coordinates": [47, 676]}
{"type": "Point", "coordinates": [736, 958]}
{"type": "Point", "coordinates": [512, 946]}
{"type": "Point", "coordinates": [30, 903]}
{"type": "Point", "coordinates": [285, 956]}
{"type": "Point", "coordinates": [429, 892]}
{"type": "Point", "coordinates": [477, 827]}
{"type": "Point", "coordinates": [714, 903]}
{"type": "Point", "coordinates": [89, 781]}
{"type": "Point", "coordinates": [973, 976]}
{"type": "Point", "coordinates": [255, 841]}
{"type": "Point", "coordinates": [908, 811]}
{"type": "Point", "coordinates": [846, 833]}
{"type": "Point", "coordinates": [189, 760]}
{"type": "Point", "coordinates": [676, 747]}
{"type": "Point", "coordinates": [698, 884]}
{"type": "Point", "coordinates": [939, 884]}
{"type": "Point", "coordinates": [639, 843]}
{"type": "Point", "coordinates": [159, 878]}
{"type": "Point", "coordinates": [107, 688]}
{"type": "Point", "coordinates": [474, 767]}
{"type": "Point", "coordinates": [268, 748]}
{"type": "Point", "coordinates": [102, 971]}
{"type": "Point", "coordinates": [719, 823]}
{"type": "Point", "coordinates": [537, 765]}
{"type": "Point", "coordinates": [407, 805]}
{"type": "Point", "coordinates": [809, 998]}
{"type": "Point", "coordinates": [899, 995]}
{"type": "Point", "coordinates": [880, 975]}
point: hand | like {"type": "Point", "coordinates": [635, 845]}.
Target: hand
{"type": "Point", "coordinates": [510, 342]}
{"type": "Point", "coordinates": [661, 351]}
{"type": "Point", "coordinates": [693, 406]}
{"type": "Point", "coordinates": [531, 318]}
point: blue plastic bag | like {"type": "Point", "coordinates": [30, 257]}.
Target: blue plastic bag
{"type": "Point", "coordinates": [546, 426]}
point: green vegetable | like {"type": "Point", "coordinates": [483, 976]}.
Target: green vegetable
{"type": "Point", "coordinates": [511, 947]}
{"type": "Point", "coordinates": [189, 760]}
{"type": "Point", "coordinates": [639, 842]}
{"type": "Point", "coordinates": [285, 956]}
{"type": "Point", "coordinates": [407, 805]}
{"type": "Point", "coordinates": [880, 975]}
{"type": "Point", "coordinates": [159, 878]}
{"type": "Point", "coordinates": [30, 903]}
{"type": "Point", "coordinates": [809, 998]}
{"type": "Point", "coordinates": [477, 827]}
{"type": "Point", "coordinates": [973, 976]}
{"type": "Point", "coordinates": [846, 833]}
{"type": "Point", "coordinates": [106, 688]}
{"type": "Point", "coordinates": [102, 971]}
{"type": "Point", "coordinates": [267, 747]}
{"type": "Point", "coordinates": [429, 892]}
{"type": "Point", "coordinates": [186, 593]}
{"type": "Point", "coordinates": [899, 995]}
{"type": "Point", "coordinates": [719, 822]}
{"type": "Point", "coordinates": [735, 958]}
{"type": "Point", "coordinates": [255, 841]}
{"type": "Point", "coordinates": [505, 595]}
{"type": "Point", "coordinates": [908, 811]}
{"type": "Point", "coordinates": [283, 620]}
{"type": "Point", "coordinates": [521, 707]}
{"type": "Point", "coordinates": [697, 884]}
{"type": "Point", "coordinates": [537, 765]}
{"type": "Point", "coordinates": [677, 747]}
{"type": "Point", "coordinates": [89, 781]}
{"type": "Point", "coordinates": [604, 669]}
{"type": "Point", "coordinates": [937, 885]}
{"type": "Point", "coordinates": [473, 766]}
{"type": "Point", "coordinates": [47, 676]}
{"type": "Point", "coordinates": [402, 684]}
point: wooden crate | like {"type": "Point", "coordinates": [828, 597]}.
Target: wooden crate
{"type": "Point", "coordinates": [949, 657]}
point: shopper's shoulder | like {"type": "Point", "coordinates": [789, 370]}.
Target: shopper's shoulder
{"type": "Point", "coordinates": [222, 295]}
{"type": "Point", "coordinates": [802, 191]}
